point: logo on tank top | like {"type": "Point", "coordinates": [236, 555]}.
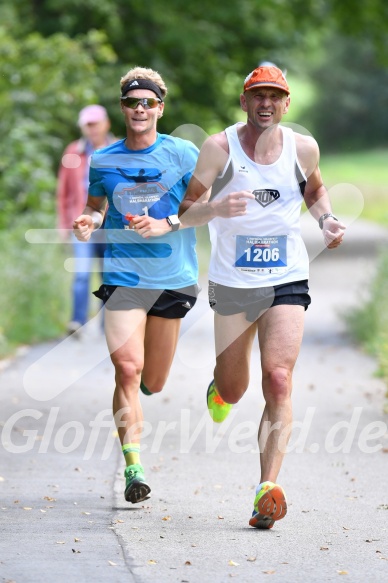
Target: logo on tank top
{"type": "Point", "coordinates": [243, 169]}
{"type": "Point", "coordinates": [266, 196]}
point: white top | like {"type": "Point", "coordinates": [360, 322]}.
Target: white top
{"type": "Point", "coordinates": [263, 247]}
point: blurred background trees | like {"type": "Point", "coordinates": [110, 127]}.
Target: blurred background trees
{"type": "Point", "coordinates": [56, 56]}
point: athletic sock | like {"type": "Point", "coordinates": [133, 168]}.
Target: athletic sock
{"type": "Point", "coordinates": [131, 453]}
{"type": "Point", "coordinates": [144, 389]}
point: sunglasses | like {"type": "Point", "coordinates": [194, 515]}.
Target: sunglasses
{"type": "Point", "coordinates": [146, 102]}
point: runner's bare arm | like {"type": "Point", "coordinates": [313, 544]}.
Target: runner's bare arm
{"type": "Point", "coordinates": [196, 209]}
{"type": "Point", "coordinates": [316, 195]}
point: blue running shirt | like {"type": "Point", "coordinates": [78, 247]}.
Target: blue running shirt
{"type": "Point", "coordinates": [152, 181]}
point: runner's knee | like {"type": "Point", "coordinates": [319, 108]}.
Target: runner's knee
{"type": "Point", "coordinates": [128, 373]}
{"type": "Point", "coordinates": [276, 385]}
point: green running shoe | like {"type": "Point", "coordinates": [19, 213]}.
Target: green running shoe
{"type": "Point", "coordinates": [144, 389]}
{"type": "Point", "coordinates": [136, 487]}
{"type": "Point", "coordinates": [218, 409]}
{"type": "Point", "coordinates": [269, 505]}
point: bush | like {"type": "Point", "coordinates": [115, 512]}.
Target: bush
{"type": "Point", "coordinates": [34, 303]}
{"type": "Point", "coordinates": [369, 323]}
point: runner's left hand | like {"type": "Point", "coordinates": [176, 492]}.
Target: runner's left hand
{"type": "Point", "coordinates": [333, 233]}
{"type": "Point", "coordinates": [147, 226]}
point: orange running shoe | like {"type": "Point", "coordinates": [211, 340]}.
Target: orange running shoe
{"type": "Point", "coordinates": [269, 505]}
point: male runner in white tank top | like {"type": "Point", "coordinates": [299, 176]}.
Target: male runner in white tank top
{"type": "Point", "coordinates": [249, 184]}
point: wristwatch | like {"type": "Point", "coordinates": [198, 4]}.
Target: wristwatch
{"type": "Point", "coordinates": [174, 222]}
{"type": "Point", "coordinates": [324, 217]}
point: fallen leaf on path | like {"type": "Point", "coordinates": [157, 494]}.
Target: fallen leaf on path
{"type": "Point", "coordinates": [233, 564]}
{"type": "Point", "coordinates": [60, 542]}
{"type": "Point", "coordinates": [120, 521]}
{"type": "Point", "coordinates": [87, 513]}
{"type": "Point", "coordinates": [324, 549]}
{"type": "Point", "coordinates": [2, 479]}
{"type": "Point", "coordinates": [77, 540]}
{"type": "Point", "coordinates": [221, 517]}
{"type": "Point", "coordinates": [74, 551]}
{"type": "Point", "coordinates": [151, 562]}
{"type": "Point", "coordinates": [269, 572]}
{"type": "Point", "coordinates": [166, 518]}
{"type": "Point", "coordinates": [49, 499]}
{"type": "Point", "coordinates": [112, 563]}
{"type": "Point", "coordinates": [188, 563]}
{"type": "Point", "coordinates": [345, 528]}
{"type": "Point", "coordinates": [251, 559]}
{"type": "Point", "coordinates": [27, 508]}
{"type": "Point", "coordinates": [342, 572]}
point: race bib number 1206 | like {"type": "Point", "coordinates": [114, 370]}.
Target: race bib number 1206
{"type": "Point", "coordinates": [261, 254]}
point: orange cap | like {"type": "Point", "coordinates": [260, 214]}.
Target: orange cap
{"type": "Point", "coordinates": [266, 77]}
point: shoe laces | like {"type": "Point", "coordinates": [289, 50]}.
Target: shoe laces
{"type": "Point", "coordinates": [132, 473]}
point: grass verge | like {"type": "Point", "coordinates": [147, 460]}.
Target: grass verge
{"type": "Point", "coordinates": [368, 324]}
{"type": "Point", "coordinates": [34, 302]}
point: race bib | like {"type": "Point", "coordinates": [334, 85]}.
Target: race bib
{"type": "Point", "coordinates": [261, 254]}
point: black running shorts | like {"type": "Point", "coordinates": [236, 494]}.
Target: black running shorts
{"type": "Point", "coordinates": [165, 303]}
{"type": "Point", "coordinates": [231, 300]}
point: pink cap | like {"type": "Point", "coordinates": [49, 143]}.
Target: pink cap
{"type": "Point", "coordinates": [92, 114]}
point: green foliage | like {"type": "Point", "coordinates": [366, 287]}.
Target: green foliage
{"type": "Point", "coordinates": [363, 20]}
{"type": "Point", "coordinates": [42, 88]}
{"type": "Point", "coordinates": [34, 302]}
{"type": "Point", "coordinates": [367, 170]}
{"type": "Point", "coordinates": [203, 50]}
{"type": "Point", "coordinates": [349, 111]}
{"type": "Point", "coordinates": [369, 322]}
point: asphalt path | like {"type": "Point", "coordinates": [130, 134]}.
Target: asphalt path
{"type": "Point", "coordinates": [63, 516]}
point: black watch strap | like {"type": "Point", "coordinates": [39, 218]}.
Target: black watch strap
{"type": "Point", "coordinates": [324, 217]}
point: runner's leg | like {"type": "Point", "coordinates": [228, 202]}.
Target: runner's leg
{"type": "Point", "coordinates": [234, 336]}
{"type": "Point", "coordinates": [125, 331]}
{"type": "Point", "coordinates": [280, 331]}
{"type": "Point", "coordinates": [161, 337]}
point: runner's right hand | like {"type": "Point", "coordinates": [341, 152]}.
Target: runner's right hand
{"type": "Point", "coordinates": [83, 227]}
{"type": "Point", "coordinates": [232, 205]}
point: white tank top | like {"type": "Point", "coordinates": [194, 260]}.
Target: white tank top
{"type": "Point", "coordinates": [263, 247]}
